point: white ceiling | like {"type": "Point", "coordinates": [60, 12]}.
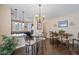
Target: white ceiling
{"type": "Point", "coordinates": [50, 11]}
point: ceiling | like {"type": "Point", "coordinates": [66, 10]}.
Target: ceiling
{"type": "Point", "coordinates": [50, 11]}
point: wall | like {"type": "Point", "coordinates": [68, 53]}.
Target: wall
{"type": "Point", "coordinates": [5, 20]}
{"type": "Point", "coordinates": [74, 29]}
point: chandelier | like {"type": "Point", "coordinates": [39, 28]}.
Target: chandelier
{"type": "Point", "coordinates": [39, 17]}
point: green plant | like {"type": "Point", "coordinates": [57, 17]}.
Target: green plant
{"type": "Point", "coordinates": [8, 45]}
{"type": "Point", "coordinates": [61, 31]}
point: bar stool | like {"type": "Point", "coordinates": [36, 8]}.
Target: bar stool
{"type": "Point", "coordinates": [30, 48]}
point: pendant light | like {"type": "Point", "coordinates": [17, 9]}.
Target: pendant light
{"type": "Point", "coordinates": [22, 15]}
{"type": "Point", "coordinates": [16, 14]}
{"type": "Point", "coordinates": [39, 13]}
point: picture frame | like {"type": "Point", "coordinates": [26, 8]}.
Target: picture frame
{"type": "Point", "coordinates": [39, 25]}
{"type": "Point", "coordinates": [63, 23]}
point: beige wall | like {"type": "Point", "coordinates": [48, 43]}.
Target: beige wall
{"type": "Point", "coordinates": [74, 29]}
{"type": "Point", "coordinates": [5, 20]}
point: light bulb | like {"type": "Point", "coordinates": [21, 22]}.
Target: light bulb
{"type": "Point", "coordinates": [43, 16]}
{"type": "Point", "coordinates": [36, 15]}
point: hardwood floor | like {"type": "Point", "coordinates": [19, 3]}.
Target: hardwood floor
{"type": "Point", "coordinates": [51, 49]}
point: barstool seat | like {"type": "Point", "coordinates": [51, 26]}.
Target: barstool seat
{"type": "Point", "coordinates": [31, 42]}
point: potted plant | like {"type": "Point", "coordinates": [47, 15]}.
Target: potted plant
{"type": "Point", "coordinates": [8, 45]}
{"type": "Point", "coordinates": [61, 31]}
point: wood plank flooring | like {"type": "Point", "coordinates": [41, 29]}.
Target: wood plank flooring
{"type": "Point", "coordinates": [51, 49]}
